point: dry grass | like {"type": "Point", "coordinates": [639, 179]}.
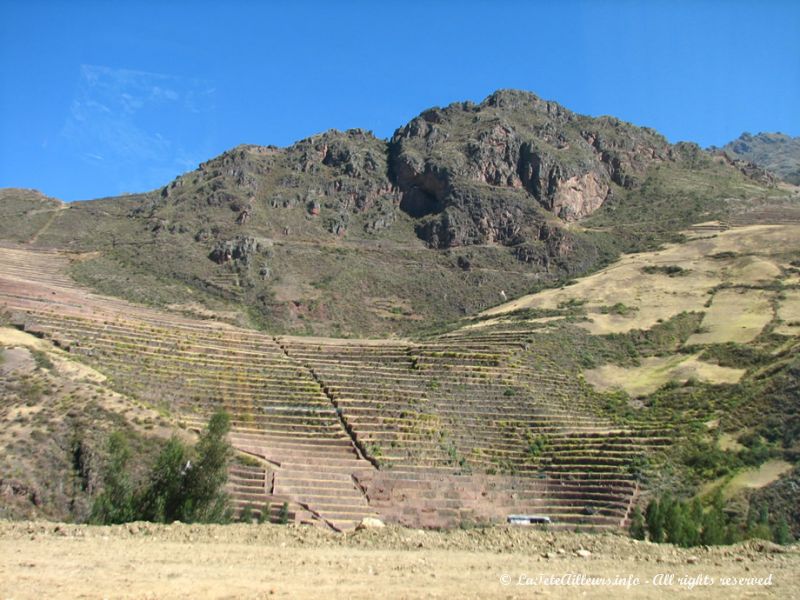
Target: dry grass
{"type": "Point", "coordinates": [250, 561]}
{"type": "Point", "coordinates": [14, 337]}
{"type": "Point", "coordinates": [735, 315]}
{"type": "Point", "coordinates": [727, 441]}
{"type": "Point", "coordinates": [754, 255]}
{"type": "Point", "coordinates": [757, 478]}
{"type": "Point", "coordinates": [789, 313]}
{"type": "Point", "coordinates": [656, 371]}
{"type": "Point", "coordinates": [65, 365]}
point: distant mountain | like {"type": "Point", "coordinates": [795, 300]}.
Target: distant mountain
{"type": "Point", "coordinates": [776, 152]}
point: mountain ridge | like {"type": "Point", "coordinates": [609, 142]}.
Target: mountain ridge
{"type": "Point", "coordinates": [776, 152]}
{"type": "Point", "coordinates": [490, 200]}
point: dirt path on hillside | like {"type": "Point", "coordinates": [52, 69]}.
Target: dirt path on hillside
{"type": "Point", "coordinates": [47, 224]}
{"type": "Point", "coordinates": [239, 561]}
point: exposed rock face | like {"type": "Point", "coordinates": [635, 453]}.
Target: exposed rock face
{"type": "Point", "coordinates": [579, 196]}
{"type": "Point", "coordinates": [333, 176]}
{"type": "Point", "coordinates": [240, 249]}
{"type": "Point", "coordinates": [370, 523]}
{"type": "Point", "coordinates": [456, 161]}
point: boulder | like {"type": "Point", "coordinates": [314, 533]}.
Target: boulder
{"type": "Point", "coordinates": [370, 523]}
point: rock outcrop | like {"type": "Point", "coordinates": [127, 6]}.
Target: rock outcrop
{"type": "Point", "coordinates": [241, 249]}
{"type": "Point", "coordinates": [457, 162]}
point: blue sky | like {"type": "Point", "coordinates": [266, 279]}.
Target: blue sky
{"type": "Point", "coordinates": [102, 98]}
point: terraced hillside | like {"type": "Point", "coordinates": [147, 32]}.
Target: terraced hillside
{"type": "Point", "coordinates": [568, 404]}
{"type": "Point", "coordinates": [461, 428]}
{"type": "Point", "coordinates": [193, 368]}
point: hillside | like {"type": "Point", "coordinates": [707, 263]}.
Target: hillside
{"type": "Point", "coordinates": [26, 213]}
{"type": "Point", "coordinates": [488, 200]}
{"type": "Point", "coordinates": [776, 152]}
{"type": "Point", "coordinates": [577, 403]}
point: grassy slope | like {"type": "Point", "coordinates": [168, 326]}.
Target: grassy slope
{"type": "Point", "coordinates": [722, 428]}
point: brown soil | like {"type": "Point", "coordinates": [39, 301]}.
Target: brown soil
{"type": "Point", "coordinates": [47, 560]}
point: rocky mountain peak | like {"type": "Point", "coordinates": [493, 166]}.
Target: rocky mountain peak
{"type": "Point", "coordinates": [520, 100]}
{"type": "Point", "coordinates": [547, 157]}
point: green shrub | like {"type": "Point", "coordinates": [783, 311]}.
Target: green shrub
{"type": "Point", "coordinates": [184, 484]}
{"type": "Point", "coordinates": [618, 309]}
{"type": "Point", "coordinates": [688, 524]}
{"type": "Point", "coordinates": [781, 533]}
{"type": "Point", "coordinates": [42, 360]}
{"type": "Point", "coordinates": [668, 270]}
{"type": "Point", "coordinates": [115, 503]}
{"type": "Point", "coordinates": [637, 528]}
{"type": "Point", "coordinates": [247, 514]}
{"type": "Point", "coordinates": [283, 515]}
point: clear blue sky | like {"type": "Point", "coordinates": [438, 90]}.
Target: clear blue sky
{"type": "Point", "coordinates": [100, 98]}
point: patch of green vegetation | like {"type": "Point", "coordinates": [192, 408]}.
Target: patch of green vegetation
{"type": "Point", "coordinates": [183, 484]}
{"type": "Point", "coordinates": [668, 270]}
{"type": "Point", "coordinates": [673, 195]}
{"type": "Point", "coordinates": [246, 515]}
{"type": "Point", "coordinates": [283, 514]}
{"type": "Point", "coordinates": [535, 444]}
{"type": "Point", "coordinates": [618, 309]}
{"type": "Point", "coordinates": [23, 213]}
{"type": "Point", "coordinates": [572, 304]}
{"type": "Point", "coordinates": [726, 255]}
{"type": "Point", "coordinates": [576, 349]}
{"type": "Point", "coordinates": [246, 460]}
{"type": "Point", "coordinates": [688, 523]}
{"type": "Point", "coordinates": [780, 498]}
{"type": "Point", "coordinates": [735, 355]}
{"type": "Point", "coordinates": [639, 466]}
{"type": "Point", "coordinates": [42, 360]}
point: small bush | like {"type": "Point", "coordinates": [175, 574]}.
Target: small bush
{"type": "Point", "coordinates": [283, 515]}
{"type": "Point", "coordinates": [263, 516]}
{"type": "Point", "coordinates": [668, 270]}
{"type": "Point", "coordinates": [247, 514]}
{"type": "Point", "coordinates": [637, 529]}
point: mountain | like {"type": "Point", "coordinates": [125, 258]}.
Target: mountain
{"type": "Point", "coordinates": [513, 309]}
{"type": "Point", "coordinates": [464, 206]}
{"type": "Point", "coordinates": [776, 152]}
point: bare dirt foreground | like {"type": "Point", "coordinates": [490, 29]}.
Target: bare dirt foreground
{"type": "Point", "coordinates": [47, 560]}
